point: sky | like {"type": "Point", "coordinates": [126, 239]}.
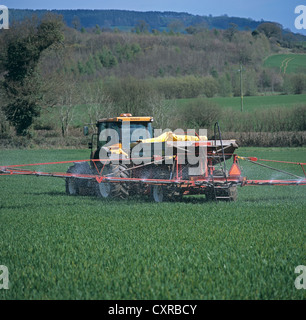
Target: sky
{"type": "Point", "coordinates": [281, 11]}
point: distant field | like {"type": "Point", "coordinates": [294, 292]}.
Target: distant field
{"type": "Point", "coordinates": [255, 102]}
{"type": "Point", "coordinates": [250, 104]}
{"type": "Point", "coordinates": [287, 63]}
{"type": "Point", "coordinates": [64, 247]}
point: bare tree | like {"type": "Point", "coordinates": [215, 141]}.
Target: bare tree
{"type": "Point", "coordinates": [67, 100]}
{"type": "Point", "coordinates": [98, 103]}
{"type": "Point", "coordinates": [161, 110]}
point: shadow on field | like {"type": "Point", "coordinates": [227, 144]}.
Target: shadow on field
{"type": "Point", "coordinates": [17, 207]}
{"type": "Point", "coordinates": [200, 199]}
{"type": "Point", "coordinates": [49, 193]}
{"type": "Point", "coordinates": [268, 199]}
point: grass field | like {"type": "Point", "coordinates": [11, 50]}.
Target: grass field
{"type": "Point", "coordinates": [64, 247]}
{"type": "Point", "coordinates": [254, 103]}
{"type": "Point", "coordinates": [287, 63]}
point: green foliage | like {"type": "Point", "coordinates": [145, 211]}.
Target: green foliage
{"type": "Point", "coordinates": [130, 95]}
{"type": "Point", "coordinates": [295, 83]}
{"type": "Point", "coordinates": [20, 113]}
{"type": "Point", "coordinates": [199, 113]}
{"type": "Point", "coordinates": [127, 52]}
{"type": "Point", "coordinates": [210, 87]}
{"type": "Point", "coordinates": [225, 85]}
{"type": "Point", "coordinates": [107, 59]}
{"type": "Point", "coordinates": [24, 44]}
{"type": "Point", "coordinates": [271, 30]}
{"type": "Point", "coordinates": [186, 86]}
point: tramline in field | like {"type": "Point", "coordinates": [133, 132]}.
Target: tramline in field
{"type": "Point", "coordinates": [167, 167]}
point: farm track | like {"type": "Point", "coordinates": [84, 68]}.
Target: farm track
{"type": "Point", "coordinates": [284, 65]}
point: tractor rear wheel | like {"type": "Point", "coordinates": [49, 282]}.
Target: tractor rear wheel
{"type": "Point", "coordinates": [107, 190]}
{"type": "Point", "coordinates": [158, 192]}
{"type": "Point", "coordinates": [161, 192]}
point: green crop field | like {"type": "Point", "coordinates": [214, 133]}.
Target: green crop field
{"type": "Point", "coordinates": [65, 247]}
{"type": "Point", "coordinates": [287, 63]}
{"type": "Point", "coordinates": [254, 103]}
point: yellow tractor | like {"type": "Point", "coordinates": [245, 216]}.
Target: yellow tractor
{"type": "Point", "coordinates": [126, 159]}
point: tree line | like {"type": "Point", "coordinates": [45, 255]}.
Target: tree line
{"type": "Point", "coordinates": [128, 18]}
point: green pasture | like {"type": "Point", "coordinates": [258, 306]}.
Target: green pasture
{"type": "Point", "coordinates": [66, 247]}
{"type": "Point", "coordinates": [253, 103]}
{"type": "Point", "coordinates": [287, 63]}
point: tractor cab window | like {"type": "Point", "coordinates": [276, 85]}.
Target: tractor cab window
{"type": "Point", "coordinates": [114, 131]}
{"type": "Point", "coordinates": [138, 130]}
{"type": "Point", "coordinates": [109, 132]}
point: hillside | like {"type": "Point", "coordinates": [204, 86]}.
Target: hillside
{"type": "Point", "coordinates": [154, 20]}
{"type": "Point", "coordinates": [144, 72]}
{"type": "Point", "coordinates": [125, 18]}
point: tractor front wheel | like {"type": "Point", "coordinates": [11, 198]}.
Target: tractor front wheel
{"type": "Point", "coordinates": [75, 185]}
{"type": "Point", "coordinates": [158, 192]}
{"type": "Point", "coordinates": [72, 186]}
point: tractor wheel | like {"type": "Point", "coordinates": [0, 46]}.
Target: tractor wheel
{"type": "Point", "coordinates": [77, 186]}
{"type": "Point", "coordinates": [210, 195]}
{"type": "Point", "coordinates": [229, 194]}
{"type": "Point", "coordinates": [174, 194]}
{"type": "Point", "coordinates": [233, 193]}
{"type": "Point", "coordinates": [108, 190]}
{"type": "Point", "coordinates": [160, 193]}
{"type": "Point", "coordinates": [72, 186]}
{"type": "Point", "coordinates": [72, 183]}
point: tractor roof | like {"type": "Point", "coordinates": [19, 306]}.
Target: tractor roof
{"type": "Point", "coordinates": [126, 117]}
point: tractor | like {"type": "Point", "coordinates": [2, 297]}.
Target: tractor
{"type": "Point", "coordinates": [158, 169]}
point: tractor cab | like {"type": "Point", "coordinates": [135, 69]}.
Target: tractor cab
{"type": "Point", "coordinates": [121, 132]}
